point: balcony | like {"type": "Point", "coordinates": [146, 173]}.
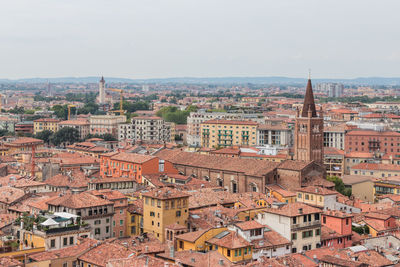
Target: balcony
{"type": "Point", "coordinates": [306, 224]}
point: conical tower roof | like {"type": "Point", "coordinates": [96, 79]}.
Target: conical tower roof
{"type": "Point", "coordinates": [309, 103]}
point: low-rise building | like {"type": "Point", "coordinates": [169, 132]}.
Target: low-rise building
{"type": "Point", "coordinates": [274, 135]}
{"type": "Point", "coordinates": [297, 222]}
{"type": "Point", "coordinates": [43, 124]}
{"type": "Point", "coordinates": [336, 229]}
{"type": "Point", "coordinates": [163, 207]}
{"type": "Point", "coordinates": [95, 211]}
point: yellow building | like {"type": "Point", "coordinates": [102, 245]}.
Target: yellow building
{"type": "Point", "coordinates": [224, 133]}
{"type": "Point", "coordinates": [231, 245]}
{"type": "Point", "coordinates": [316, 196]}
{"type": "Point", "coordinates": [281, 194]}
{"type": "Point", "coordinates": [22, 145]}
{"type": "Point", "coordinates": [45, 124]}
{"type": "Point", "coordinates": [163, 207]}
{"type": "Point", "coordinates": [134, 220]}
{"type": "Point", "coordinates": [196, 241]}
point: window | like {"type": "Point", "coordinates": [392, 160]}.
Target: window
{"type": "Point", "coordinates": [65, 264]}
{"type": "Point", "coordinates": [121, 222]}
{"type": "Point", "coordinates": [65, 241]}
{"type": "Point", "coordinates": [228, 253]}
{"type": "Point", "coordinates": [97, 231]}
{"type": "Point", "coordinates": [317, 232]}
{"type": "Point", "coordinates": [178, 213]}
{"type": "Point", "coordinates": [347, 221]}
{"type": "Point", "coordinates": [120, 234]}
{"type": "Point", "coordinates": [133, 229]}
{"type": "Point", "coordinates": [71, 240]}
{"type": "Point", "coordinates": [317, 216]}
{"type": "Point", "coordinates": [324, 220]}
{"type": "Point", "coordinates": [121, 211]}
{"type": "Point", "coordinates": [52, 243]}
{"type": "Point", "coordinates": [113, 223]}
{"type": "Point", "coordinates": [294, 220]}
{"type": "Point", "coordinates": [107, 229]}
{"type": "Point", "coordinates": [97, 222]}
{"type": "Point", "coordinates": [294, 236]}
{"type": "Point", "coordinates": [307, 234]}
{"type": "Point", "coordinates": [294, 250]}
{"type": "Point", "coordinates": [152, 214]}
{"type": "Point", "coordinates": [181, 244]}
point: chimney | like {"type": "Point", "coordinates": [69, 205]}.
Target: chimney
{"type": "Point", "coordinates": [221, 262]}
{"type": "Point", "coordinates": [193, 260]}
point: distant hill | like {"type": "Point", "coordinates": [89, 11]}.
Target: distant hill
{"type": "Point", "coordinates": [212, 80]}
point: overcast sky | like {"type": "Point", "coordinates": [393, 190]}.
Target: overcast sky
{"type": "Point", "coordinates": [202, 38]}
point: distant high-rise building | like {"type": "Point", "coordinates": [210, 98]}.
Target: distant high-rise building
{"type": "Point", "coordinates": [102, 91]}
{"type": "Point", "coordinates": [332, 89]}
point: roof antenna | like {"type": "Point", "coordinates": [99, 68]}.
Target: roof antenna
{"type": "Point", "coordinates": [309, 74]}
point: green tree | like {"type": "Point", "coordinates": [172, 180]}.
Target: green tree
{"type": "Point", "coordinates": [61, 111]}
{"type": "Point", "coordinates": [65, 136]}
{"type": "Point", "coordinates": [339, 185]}
{"type": "Point", "coordinates": [44, 135]}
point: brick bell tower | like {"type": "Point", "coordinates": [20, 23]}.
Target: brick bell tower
{"type": "Point", "coordinates": [309, 130]}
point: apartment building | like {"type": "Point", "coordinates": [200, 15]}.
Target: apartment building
{"type": "Point", "coordinates": [372, 141]}
{"type": "Point", "coordinates": [376, 170]}
{"type": "Point", "coordinates": [58, 230]}
{"type": "Point", "coordinates": [131, 165]}
{"type": "Point", "coordinates": [95, 211]}
{"type": "Point", "coordinates": [163, 207]}
{"type": "Point", "coordinates": [334, 136]}
{"type": "Point", "coordinates": [195, 120]}
{"type": "Point", "coordinates": [334, 161]}
{"type": "Point", "coordinates": [297, 222]}
{"type": "Point", "coordinates": [336, 229]}
{"type": "Point", "coordinates": [43, 124]}
{"type": "Point", "coordinates": [83, 126]}
{"type": "Point", "coordinates": [103, 124]}
{"type": "Point", "coordinates": [274, 135]}
{"type": "Point", "coordinates": [126, 132]}
{"type": "Point", "coordinates": [224, 133]}
{"type": "Point", "coordinates": [151, 129]}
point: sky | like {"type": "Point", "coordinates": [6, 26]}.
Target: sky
{"type": "Point", "coordinates": [202, 38]}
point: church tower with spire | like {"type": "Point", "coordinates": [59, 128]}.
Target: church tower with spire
{"type": "Point", "coordinates": [309, 130]}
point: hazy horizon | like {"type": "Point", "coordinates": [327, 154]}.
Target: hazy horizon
{"type": "Point", "coordinates": [203, 39]}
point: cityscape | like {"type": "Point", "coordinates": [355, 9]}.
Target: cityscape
{"type": "Point", "coordinates": [195, 162]}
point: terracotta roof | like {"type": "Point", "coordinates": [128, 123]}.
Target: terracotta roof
{"type": "Point", "coordinates": [370, 132]}
{"type": "Point", "coordinates": [270, 239]}
{"type": "Point", "coordinates": [74, 122]}
{"type": "Point", "coordinates": [317, 190]}
{"type": "Point", "coordinates": [142, 260]}
{"type": "Point", "coordinates": [198, 259]}
{"type": "Point", "coordinates": [355, 179]}
{"type": "Point", "coordinates": [165, 193]}
{"type": "Point", "coordinates": [105, 252]}
{"type": "Point", "coordinates": [77, 201]}
{"type": "Point", "coordinates": [73, 251]}
{"type": "Point", "coordinates": [248, 225]}
{"type": "Point", "coordinates": [192, 236]}
{"type": "Point", "coordinates": [359, 155]}
{"type": "Point", "coordinates": [253, 167]}
{"type": "Point", "coordinates": [376, 166]}
{"type": "Point", "coordinates": [333, 151]}
{"type": "Point", "coordinates": [46, 120]}
{"type": "Point", "coordinates": [132, 157]}
{"type": "Point", "coordinates": [231, 241]}
{"type": "Point", "coordinates": [24, 141]}
{"type": "Point", "coordinates": [284, 193]}
{"type": "Point", "coordinates": [9, 195]}
{"type": "Point", "coordinates": [293, 209]}
{"type": "Point", "coordinates": [294, 164]}
{"type": "Point", "coordinates": [10, 262]}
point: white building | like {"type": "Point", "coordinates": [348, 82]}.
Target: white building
{"type": "Point", "coordinates": [297, 222]}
